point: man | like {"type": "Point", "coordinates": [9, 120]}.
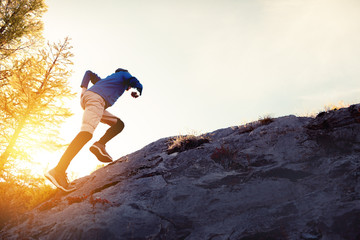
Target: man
{"type": "Point", "coordinates": [95, 100]}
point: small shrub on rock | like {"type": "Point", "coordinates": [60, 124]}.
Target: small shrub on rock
{"type": "Point", "coordinates": [225, 157]}
{"type": "Point", "coordinates": [249, 127]}
{"type": "Point", "coordinates": [183, 143]}
{"type": "Point", "coordinates": [222, 153]}
{"type": "Point", "coordinates": [266, 120]}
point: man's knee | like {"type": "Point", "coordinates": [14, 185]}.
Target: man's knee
{"type": "Point", "coordinates": [86, 135]}
{"type": "Point", "coordinates": [119, 124]}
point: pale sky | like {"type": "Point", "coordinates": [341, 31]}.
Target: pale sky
{"type": "Point", "coordinates": [208, 64]}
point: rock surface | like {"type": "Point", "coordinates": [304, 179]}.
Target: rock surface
{"type": "Point", "coordinates": [290, 178]}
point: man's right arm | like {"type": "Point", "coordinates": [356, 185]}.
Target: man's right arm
{"type": "Point", "coordinates": [89, 76]}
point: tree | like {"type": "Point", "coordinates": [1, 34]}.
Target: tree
{"type": "Point", "coordinates": [31, 101]}
{"type": "Point", "coordinates": [20, 30]}
{"type": "Point", "coordinates": [33, 86]}
{"type": "Point", "coordinates": [32, 81]}
{"type": "Point", "coordinates": [20, 24]}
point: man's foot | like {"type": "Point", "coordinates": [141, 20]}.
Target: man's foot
{"type": "Point", "coordinates": [99, 151]}
{"type": "Point", "coordinates": [59, 180]}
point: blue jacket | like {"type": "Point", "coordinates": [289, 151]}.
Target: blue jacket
{"type": "Point", "coordinates": [111, 87]}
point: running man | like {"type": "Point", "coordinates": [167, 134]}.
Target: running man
{"type": "Point", "coordinates": [95, 100]}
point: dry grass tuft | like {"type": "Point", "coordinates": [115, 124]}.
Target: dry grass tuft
{"type": "Point", "coordinates": [249, 127]}
{"type": "Point", "coordinates": [265, 120]}
{"type": "Point", "coordinates": [185, 142]}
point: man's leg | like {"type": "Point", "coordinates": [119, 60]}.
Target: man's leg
{"type": "Point", "coordinates": [75, 146]}
{"type": "Point", "coordinates": [57, 175]}
{"type": "Point", "coordinates": [116, 126]}
{"type": "Point", "coordinates": [94, 107]}
{"type": "Point", "coordinates": [112, 131]}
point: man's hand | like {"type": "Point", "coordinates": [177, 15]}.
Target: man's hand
{"type": "Point", "coordinates": [134, 94]}
{"type": "Point", "coordinates": [83, 90]}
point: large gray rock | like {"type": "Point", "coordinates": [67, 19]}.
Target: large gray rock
{"type": "Point", "coordinates": [291, 178]}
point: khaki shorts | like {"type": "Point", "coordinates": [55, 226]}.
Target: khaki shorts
{"type": "Point", "coordinates": [94, 112]}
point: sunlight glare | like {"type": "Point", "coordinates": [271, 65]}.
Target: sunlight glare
{"type": "Point", "coordinates": [46, 160]}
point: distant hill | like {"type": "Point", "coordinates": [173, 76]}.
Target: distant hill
{"type": "Point", "coordinates": [284, 178]}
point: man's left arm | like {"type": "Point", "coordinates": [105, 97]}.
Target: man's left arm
{"type": "Point", "coordinates": [134, 83]}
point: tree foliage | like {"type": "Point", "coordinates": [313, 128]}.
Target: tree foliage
{"type": "Point", "coordinates": [31, 101]}
{"type": "Point", "coordinates": [20, 24]}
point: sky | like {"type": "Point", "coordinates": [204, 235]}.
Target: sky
{"type": "Point", "coordinates": [208, 64]}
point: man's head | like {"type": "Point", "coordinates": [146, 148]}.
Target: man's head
{"type": "Point", "coordinates": [120, 70]}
